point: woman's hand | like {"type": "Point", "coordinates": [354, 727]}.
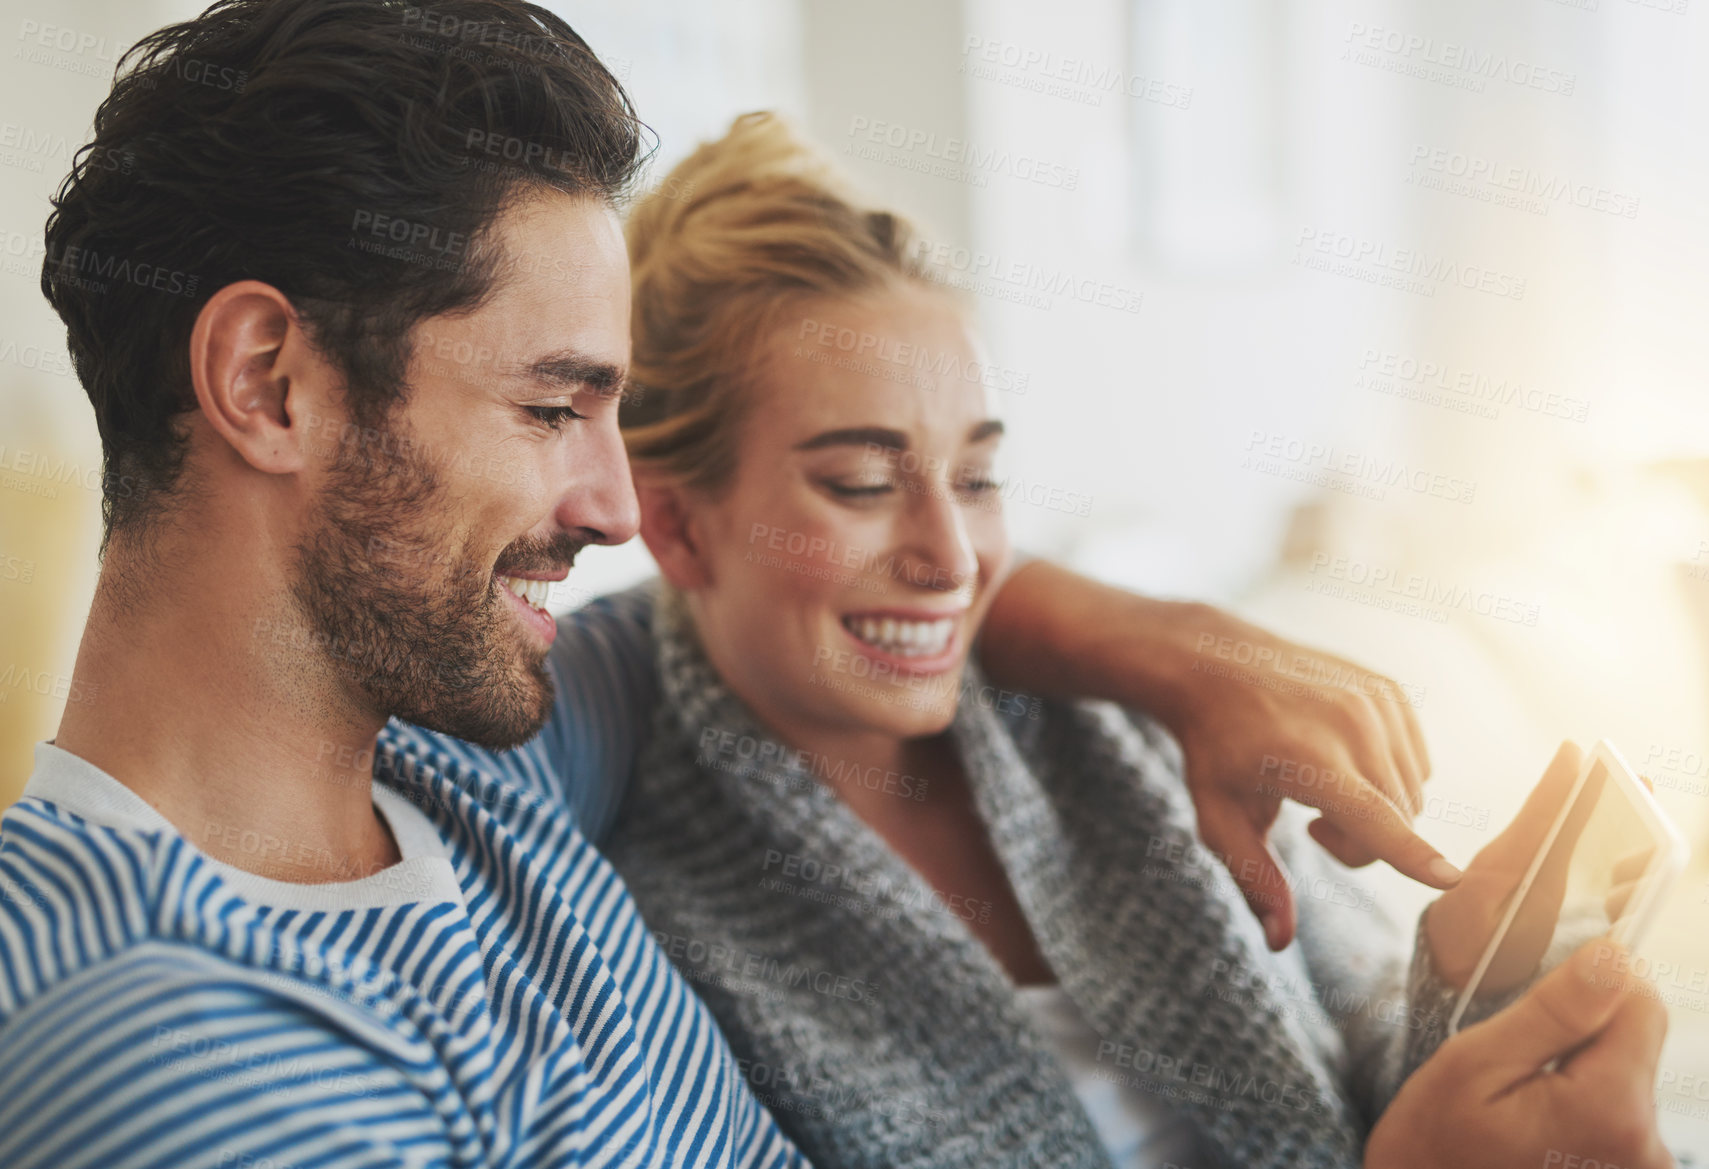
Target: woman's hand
{"type": "Point", "coordinates": [1299, 724]}
{"type": "Point", "coordinates": [1459, 924]}
{"type": "Point", "coordinates": [1260, 720]}
{"type": "Point", "coordinates": [1483, 1101]}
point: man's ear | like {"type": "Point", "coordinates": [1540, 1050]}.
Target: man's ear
{"type": "Point", "coordinates": [245, 350]}
{"type": "Point", "coordinates": [671, 535]}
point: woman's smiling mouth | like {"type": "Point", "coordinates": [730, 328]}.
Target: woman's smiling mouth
{"type": "Point", "coordinates": [910, 636]}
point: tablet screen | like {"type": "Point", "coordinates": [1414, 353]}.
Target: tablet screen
{"type": "Point", "coordinates": [1584, 888]}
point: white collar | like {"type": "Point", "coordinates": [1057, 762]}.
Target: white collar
{"type": "Point", "coordinates": [424, 874]}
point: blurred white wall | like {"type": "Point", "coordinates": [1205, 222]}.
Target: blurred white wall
{"type": "Point", "coordinates": [59, 63]}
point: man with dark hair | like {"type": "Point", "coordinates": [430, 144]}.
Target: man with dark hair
{"type": "Point", "coordinates": [311, 883]}
{"type": "Point", "coordinates": [339, 352]}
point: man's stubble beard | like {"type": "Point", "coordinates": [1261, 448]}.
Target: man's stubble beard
{"type": "Point", "coordinates": [424, 638]}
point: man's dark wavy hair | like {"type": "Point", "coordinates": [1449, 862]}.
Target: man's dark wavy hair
{"type": "Point", "coordinates": [249, 142]}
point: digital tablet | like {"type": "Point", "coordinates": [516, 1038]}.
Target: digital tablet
{"type": "Point", "coordinates": [1601, 871]}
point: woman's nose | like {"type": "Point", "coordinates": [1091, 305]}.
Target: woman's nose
{"type": "Point", "coordinates": [940, 541]}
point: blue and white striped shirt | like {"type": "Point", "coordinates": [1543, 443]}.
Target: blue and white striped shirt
{"type": "Point", "coordinates": [492, 1000]}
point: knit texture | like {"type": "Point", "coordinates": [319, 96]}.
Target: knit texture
{"type": "Point", "coordinates": [882, 1033]}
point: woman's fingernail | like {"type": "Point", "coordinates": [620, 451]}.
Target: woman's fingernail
{"type": "Point", "coordinates": [1443, 873]}
{"type": "Point", "coordinates": [1273, 931]}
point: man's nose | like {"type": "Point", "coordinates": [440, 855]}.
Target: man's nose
{"type": "Point", "coordinates": [600, 499]}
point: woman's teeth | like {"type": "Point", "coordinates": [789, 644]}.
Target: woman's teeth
{"type": "Point", "coordinates": [534, 592]}
{"type": "Point", "coordinates": [909, 639]}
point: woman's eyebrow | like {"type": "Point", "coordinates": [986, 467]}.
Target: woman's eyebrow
{"type": "Point", "coordinates": [881, 436]}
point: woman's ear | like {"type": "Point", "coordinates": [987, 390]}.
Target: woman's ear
{"type": "Point", "coordinates": [670, 533]}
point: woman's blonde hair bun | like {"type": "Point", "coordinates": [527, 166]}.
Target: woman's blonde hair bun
{"type": "Point", "coordinates": [741, 230]}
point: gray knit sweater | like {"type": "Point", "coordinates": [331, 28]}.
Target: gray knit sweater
{"type": "Point", "coordinates": [880, 1031]}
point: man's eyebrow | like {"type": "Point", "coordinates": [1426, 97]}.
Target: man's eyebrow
{"type": "Point", "coordinates": [990, 428]}
{"type": "Point", "coordinates": [579, 371]}
{"type": "Point", "coordinates": [881, 436]}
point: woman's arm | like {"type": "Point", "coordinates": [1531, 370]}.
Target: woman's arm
{"type": "Point", "coordinates": [1259, 719]}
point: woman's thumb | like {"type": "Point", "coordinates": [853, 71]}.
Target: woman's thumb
{"type": "Point", "coordinates": [1560, 1012]}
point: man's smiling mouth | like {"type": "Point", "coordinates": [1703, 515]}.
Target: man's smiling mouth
{"type": "Point", "coordinates": [528, 597]}
{"type": "Point", "coordinates": [534, 592]}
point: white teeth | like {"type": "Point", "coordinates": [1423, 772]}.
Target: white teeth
{"type": "Point", "coordinates": [535, 592]}
{"type": "Point", "coordinates": [909, 639]}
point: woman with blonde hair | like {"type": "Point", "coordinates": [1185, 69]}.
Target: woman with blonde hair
{"type": "Point", "coordinates": [940, 923]}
